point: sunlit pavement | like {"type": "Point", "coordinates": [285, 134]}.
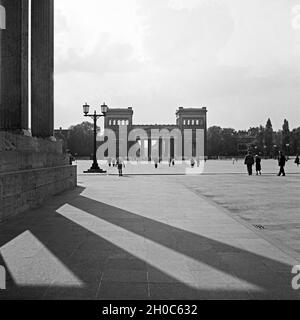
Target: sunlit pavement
{"type": "Point", "coordinates": [141, 237]}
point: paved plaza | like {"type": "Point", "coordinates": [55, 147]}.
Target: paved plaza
{"type": "Point", "coordinates": [220, 235]}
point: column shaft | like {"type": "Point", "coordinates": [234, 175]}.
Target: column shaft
{"type": "Point", "coordinates": [42, 68]}
{"type": "Point", "coordinates": [14, 66]}
{"type": "Point", "coordinates": [160, 148]}
{"type": "Point", "coordinates": [149, 149]}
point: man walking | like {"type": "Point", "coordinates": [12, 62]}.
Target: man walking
{"type": "Point", "coordinates": [249, 162]}
{"type": "Point", "coordinates": [120, 165]}
{"type": "Point", "coordinates": [281, 163]}
{"type": "Point", "coordinates": [297, 160]}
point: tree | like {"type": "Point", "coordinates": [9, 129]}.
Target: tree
{"type": "Point", "coordinates": [277, 139]}
{"type": "Point", "coordinates": [214, 141]}
{"type": "Point", "coordinates": [268, 138]}
{"type": "Point", "coordinates": [258, 133]}
{"type": "Point", "coordinates": [295, 141]}
{"type": "Point", "coordinates": [80, 140]}
{"type": "Point", "coordinates": [221, 142]}
{"type": "Point", "coordinates": [229, 142]}
{"type": "Point", "coordinates": [286, 136]}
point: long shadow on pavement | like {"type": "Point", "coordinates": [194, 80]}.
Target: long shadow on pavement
{"type": "Point", "coordinates": [91, 257]}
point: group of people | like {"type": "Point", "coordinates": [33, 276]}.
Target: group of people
{"type": "Point", "coordinates": [193, 162]}
{"type": "Point", "coordinates": [250, 161]}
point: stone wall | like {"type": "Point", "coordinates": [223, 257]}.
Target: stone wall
{"type": "Point", "coordinates": [27, 189]}
{"type": "Point", "coordinates": [19, 152]}
{"type": "Point", "coordinates": [31, 170]}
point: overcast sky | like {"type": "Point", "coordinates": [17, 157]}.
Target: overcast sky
{"type": "Point", "coordinates": [238, 58]}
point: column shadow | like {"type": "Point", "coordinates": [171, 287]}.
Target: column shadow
{"type": "Point", "coordinates": [91, 258]}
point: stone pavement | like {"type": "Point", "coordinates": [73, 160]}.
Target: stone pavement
{"type": "Point", "coordinates": [139, 237]}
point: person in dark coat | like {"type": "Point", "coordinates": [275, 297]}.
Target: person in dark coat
{"type": "Point", "coordinates": [71, 159]}
{"type": "Point", "coordinates": [297, 160]}
{"type": "Point", "coordinates": [249, 162]}
{"type": "Point", "coordinates": [258, 165]}
{"type": "Point", "coordinates": [192, 163]}
{"type": "Point", "coordinates": [281, 163]}
{"type": "Point", "coordinates": [120, 164]}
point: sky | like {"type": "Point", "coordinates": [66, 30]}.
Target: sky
{"type": "Point", "coordinates": [240, 59]}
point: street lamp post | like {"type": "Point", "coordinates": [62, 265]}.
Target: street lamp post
{"type": "Point", "coordinates": [86, 109]}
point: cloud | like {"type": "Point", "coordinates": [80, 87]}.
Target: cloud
{"type": "Point", "coordinates": [106, 57]}
{"type": "Point", "coordinates": [238, 58]}
{"type": "Point", "coordinates": [186, 36]}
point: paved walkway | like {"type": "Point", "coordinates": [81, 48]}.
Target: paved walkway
{"type": "Point", "coordinates": [139, 237]}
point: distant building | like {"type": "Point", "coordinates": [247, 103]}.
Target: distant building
{"type": "Point", "coordinates": [186, 118]}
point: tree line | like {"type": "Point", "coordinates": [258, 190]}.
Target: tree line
{"type": "Point", "coordinates": [221, 142]}
{"type": "Point", "coordinates": [261, 140]}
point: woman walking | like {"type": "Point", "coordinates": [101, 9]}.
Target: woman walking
{"type": "Point", "coordinates": [258, 165]}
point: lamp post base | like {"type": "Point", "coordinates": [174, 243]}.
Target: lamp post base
{"type": "Point", "coordinates": [95, 169]}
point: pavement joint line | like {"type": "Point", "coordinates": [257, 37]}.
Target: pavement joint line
{"type": "Point", "coordinates": [148, 285]}
{"type": "Point", "coordinates": [100, 282]}
{"type": "Point", "coordinates": [53, 281]}
{"type": "Point", "coordinates": [76, 248]}
{"type": "Point", "coordinates": [47, 289]}
{"type": "Point", "coordinates": [288, 251]}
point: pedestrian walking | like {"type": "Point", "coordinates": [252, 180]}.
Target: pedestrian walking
{"type": "Point", "coordinates": [71, 159]}
{"type": "Point", "coordinates": [297, 160]}
{"type": "Point", "coordinates": [120, 164]}
{"type": "Point", "coordinates": [156, 161]}
{"type": "Point", "coordinates": [249, 162]}
{"type": "Point", "coordinates": [281, 163]}
{"type": "Point", "coordinates": [258, 165]}
{"type": "Point", "coordinates": [192, 163]}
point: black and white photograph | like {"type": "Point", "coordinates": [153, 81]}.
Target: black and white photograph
{"type": "Point", "coordinates": [149, 151]}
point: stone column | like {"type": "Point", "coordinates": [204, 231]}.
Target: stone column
{"type": "Point", "coordinates": [143, 153]}
{"type": "Point", "coordinates": [42, 68]}
{"type": "Point", "coordinates": [172, 148]}
{"type": "Point", "coordinates": [14, 66]}
{"type": "Point", "coordinates": [149, 149]}
{"type": "Point", "coordinates": [160, 149]}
